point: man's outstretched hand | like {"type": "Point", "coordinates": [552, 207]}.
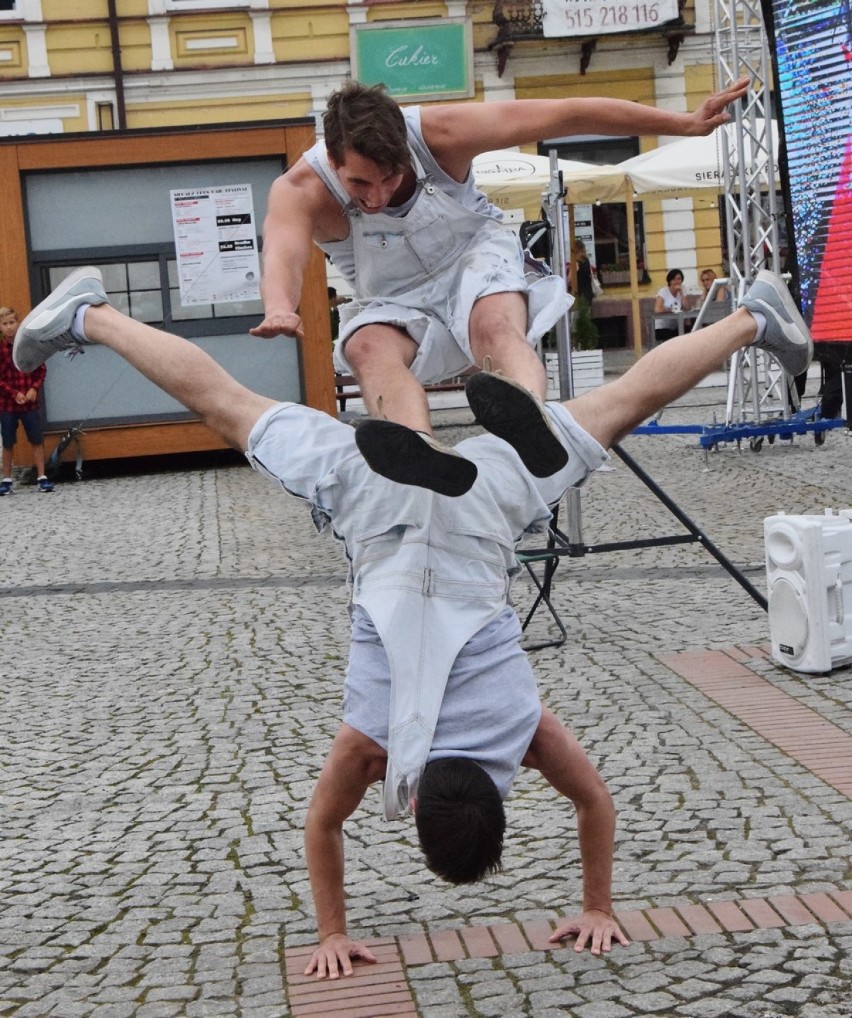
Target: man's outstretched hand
{"type": "Point", "coordinates": [594, 929]}
{"type": "Point", "coordinates": [289, 324]}
{"type": "Point", "coordinates": [334, 956]}
{"type": "Point", "coordinates": [713, 112]}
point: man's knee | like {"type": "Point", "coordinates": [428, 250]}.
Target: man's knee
{"type": "Point", "coordinates": [500, 319]}
{"type": "Point", "coordinates": [498, 324]}
{"type": "Point", "coordinates": [382, 345]}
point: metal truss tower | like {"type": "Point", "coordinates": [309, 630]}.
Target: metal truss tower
{"type": "Point", "coordinates": [757, 387]}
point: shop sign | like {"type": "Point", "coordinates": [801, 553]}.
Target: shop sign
{"type": "Point", "coordinates": [422, 59]}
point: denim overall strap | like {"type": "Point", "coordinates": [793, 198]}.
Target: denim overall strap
{"type": "Point", "coordinates": [394, 255]}
{"type": "Point", "coordinates": [422, 630]}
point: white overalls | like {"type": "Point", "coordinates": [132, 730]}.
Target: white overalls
{"type": "Point", "coordinates": [430, 571]}
{"type": "Point", "coordinates": [423, 270]}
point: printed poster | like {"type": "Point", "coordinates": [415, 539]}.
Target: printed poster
{"type": "Point", "coordinates": [216, 244]}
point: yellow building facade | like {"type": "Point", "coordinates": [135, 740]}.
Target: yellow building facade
{"type": "Point", "coordinates": [139, 64]}
{"type": "Point", "coordinates": [124, 68]}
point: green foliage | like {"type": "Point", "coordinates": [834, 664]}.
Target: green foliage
{"type": "Point", "coordinates": [584, 332]}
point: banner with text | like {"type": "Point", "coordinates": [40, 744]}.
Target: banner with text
{"type": "Point", "coordinates": [561, 18]}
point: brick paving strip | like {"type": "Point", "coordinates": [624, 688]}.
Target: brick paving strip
{"type": "Point", "coordinates": [375, 991]}
{"type": "Point", "coordinates": [803, 734]}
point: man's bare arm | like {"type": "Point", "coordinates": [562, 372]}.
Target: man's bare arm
{"type": "Point", "coordinates": [298, 204]}
{"type": "Point", "coordinates": [456, 133]}
{"type": "Point", "coordinates": [353, 764]}
{"type": "Point", "coordinates": [558, 756]}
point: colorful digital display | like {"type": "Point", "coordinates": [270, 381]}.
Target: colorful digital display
{"type": "Point", "coordinates": [812, 41]}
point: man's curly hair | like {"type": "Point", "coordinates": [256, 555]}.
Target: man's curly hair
{"type": "Point", "coordinates": [460, 820]}
{"type": "Point", "coordinates": [365, 119]}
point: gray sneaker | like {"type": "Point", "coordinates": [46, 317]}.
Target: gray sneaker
{"type": "Point", "coordinates": [786, 336]}
{"type": "Point", "coordinates": [47, 328]}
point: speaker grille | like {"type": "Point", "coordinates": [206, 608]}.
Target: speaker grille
{"type": "Point", "coordinates": [788, 618]}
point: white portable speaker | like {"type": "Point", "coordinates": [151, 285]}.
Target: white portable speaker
{"type": "Point", "coordinates": [809, 579]}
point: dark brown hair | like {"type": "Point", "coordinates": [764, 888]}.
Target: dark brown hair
{"type": "Point", "coordinates": [460, 820]}
{"type": "Point", "coordinates": [366, 120]}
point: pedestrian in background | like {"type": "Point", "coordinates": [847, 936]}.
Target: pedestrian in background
{"type": "Point", "coordinates": [19, 405]}
{"type": "Point", "coordinates": [583, 268]}
{"type": "Point", "coordinates": [707, 279]}
{"type": "Point", "coordinates": [669, 300]}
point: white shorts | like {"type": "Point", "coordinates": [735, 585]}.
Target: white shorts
{"type": "Point", "coordinates": [436, 315]}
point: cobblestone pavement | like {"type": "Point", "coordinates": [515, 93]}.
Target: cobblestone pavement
{"type": "Point", "coordinates": [173, 643]}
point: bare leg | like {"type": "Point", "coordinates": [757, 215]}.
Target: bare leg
{"type": "Point", "coordinates": [667, 372]}
{"type": "Point", "coordinates": [181, 369]}
{"type": "Point", "coordinates": [508, 403]}
{"type": "Point", "coordinates": [381, 356]}
{"type": "Point", "coordinates": [396, 441]}
{"type": "Point", "coordinates": [38, 457]}
{"type": "Point", "coordinates": [498, 325]}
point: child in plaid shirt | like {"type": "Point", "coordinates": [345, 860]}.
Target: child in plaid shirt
{"type": "Point", "coordinates": [18, 403]}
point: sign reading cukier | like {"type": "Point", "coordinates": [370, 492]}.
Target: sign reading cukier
{"type": "Point", "coordinates": [562, 18]}
{"type": "Point", "coordinates": [418, 59]}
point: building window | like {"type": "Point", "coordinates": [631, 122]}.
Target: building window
{"type": "Point", "coordinates": [600, 149]}
{"type": "Point", "coordinates": [611, 243]}
{"type": "Point", "coordinates": [611, 248]}
{"type": "Point", "coordinates": [136, 288]}
{"type": "Point", "coordinates": [206, 5]}
{"type": "Point", "coordinates": [20, 10]}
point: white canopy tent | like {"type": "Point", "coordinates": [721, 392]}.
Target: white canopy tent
{"type": "Point", "coordinates": [689, 164]}
{"type": "Point", "coordinates": [688, 167]}
{"type": "Point", "coordinates": [518, 180]}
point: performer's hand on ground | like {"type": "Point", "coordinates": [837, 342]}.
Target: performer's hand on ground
{"type": "Point", "coordinates": [713, 112]}
{"type": "Point", "coordinates": [289, 324]}
{"type": "Point", "coordinates": [334, 956]}
{"type": "Point", "coordinates": [594, 929]}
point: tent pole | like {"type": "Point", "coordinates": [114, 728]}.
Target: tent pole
{"type": "Point", "coordinates": [572, 273]}
{"type": "Point", "coordinates": [553, 200]}
{"type": "Point", "coordinates": [634, 274]}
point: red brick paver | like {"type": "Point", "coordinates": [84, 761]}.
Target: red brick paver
{"type": "Point", "coordinates": [826, 910]}
{"type": "Point", "coordinates": [668, 922]}
{"type": "Point", "coordinates": [479, 942]}
{"type": "Point", "coordinates": [376, 991]}
{"type": "Point", "coordinates": [447, 945]}
{"type": "Point", "coordinates": [731, 919]}
{"type": "Point", "coordinates": [379, 990]}
{"type": "Point", "coordinates": [792, 909]}
{"type": "Point", "coordinates": [698, 919]}
{"type": "Point", "coordinates": [761, 913]}
{"type": "Point", "coordinates": [795, 729]}
{"type": "Point", "coordinates": [372, 991]}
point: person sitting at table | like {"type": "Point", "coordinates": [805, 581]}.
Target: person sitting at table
{"type": "Point", "coordinates": [669, 300]}
{"type": "Point", "coordinates": [707, 278]}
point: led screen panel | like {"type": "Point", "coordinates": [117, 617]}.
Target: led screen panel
{"type": "Point", "coordinates": [813, 64]}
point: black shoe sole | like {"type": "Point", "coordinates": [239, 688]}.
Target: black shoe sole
{"type": "Point", "coordinates": [513, 414]}
{"type": "Point", "coordinates": [402, 455]}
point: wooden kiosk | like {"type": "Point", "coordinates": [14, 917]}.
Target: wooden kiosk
{"type": "Point", "coordinates": [104, 199]}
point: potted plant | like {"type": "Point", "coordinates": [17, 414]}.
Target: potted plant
{"type": "Point", "coordinates": [584, 332]}
{"type": "Point", "coordinates": [586, 358]}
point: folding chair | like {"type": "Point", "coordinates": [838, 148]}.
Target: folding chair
{"type": "Point", "coordinates": [557, 546]}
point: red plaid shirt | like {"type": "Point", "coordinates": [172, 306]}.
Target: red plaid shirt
{"type": "Point", "coordinates": [13, 381]}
